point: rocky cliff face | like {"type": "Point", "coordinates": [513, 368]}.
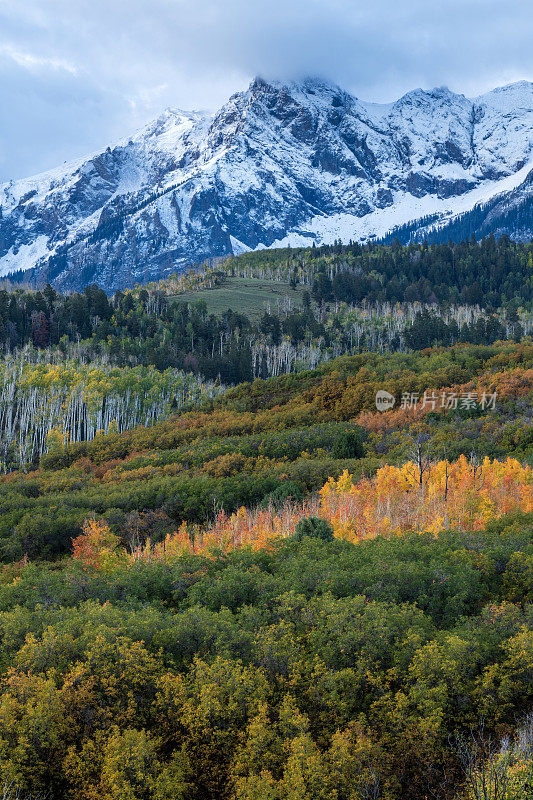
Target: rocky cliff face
{"type": "Point", "coordinates": [278, 164]}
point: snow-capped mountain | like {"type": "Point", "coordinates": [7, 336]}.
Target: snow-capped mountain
{"type": "Point", "coordinates": [278, 164]}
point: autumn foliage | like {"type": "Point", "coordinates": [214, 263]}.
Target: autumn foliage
{"type": "Point", "coordinates": [97, 546]}
{"type": "Point", "coordinates": [458, 495]}
{"type": "Point", "coordinates": [462, 494]}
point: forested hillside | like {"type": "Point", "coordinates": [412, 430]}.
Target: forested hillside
{"type": "Point", "coordinates": [286, 593]}
{"type": "Point", "coordinates": [225, 575]}
{"type": "Point", "coordinates": [258, 316]}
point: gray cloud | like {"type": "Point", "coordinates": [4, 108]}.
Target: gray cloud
{"type": "Point", "coordinates": [75, 74]}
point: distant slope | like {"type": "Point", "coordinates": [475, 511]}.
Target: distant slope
{"type": "Point", "coordinates": [249, 296]}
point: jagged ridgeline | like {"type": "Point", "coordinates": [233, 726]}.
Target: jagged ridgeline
{"type": "Point", "coordinates": [295, 162]}
{"type": "Point", "coordinates": [45, 406]}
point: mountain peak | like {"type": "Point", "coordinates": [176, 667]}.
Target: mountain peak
{"type": "Point", "coordinates": [177, 115]}
{"type": "Point", "coordinates": [516, 89]}
{"type": "Point", "coordinates": [281, 162]}
{"type": "Point", "coordinates": [309, 85]}
{"type": "Point", "coordinates": [515, 86]}
{"type": "Point", "coordinates": [437, 93]}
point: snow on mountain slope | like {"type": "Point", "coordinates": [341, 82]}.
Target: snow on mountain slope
{"type": "Point", "coordinates": [509, 212]}
{"type": "Point", "coordinates": [503, 130]}
{"type": "Point", "coordinates": [407, 208]}
{"type": "Point", "coordinates": [279, 163]}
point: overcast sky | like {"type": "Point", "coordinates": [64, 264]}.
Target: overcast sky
{"type": "Point", "coordinates": [77, 74]}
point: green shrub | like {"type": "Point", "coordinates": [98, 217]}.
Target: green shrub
{"type": "Point", "coordinates": [287, 491]}
{"type": "Point", "coordinates": [315, 528]}
{"type": "Point", "coordinates": [347, 445]}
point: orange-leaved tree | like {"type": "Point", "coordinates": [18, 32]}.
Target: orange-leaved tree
{"type": "Point", "coordinates": [97, 547]}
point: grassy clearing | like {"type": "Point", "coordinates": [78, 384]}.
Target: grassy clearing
{"type": "Point", "coordinates": [248, 296]}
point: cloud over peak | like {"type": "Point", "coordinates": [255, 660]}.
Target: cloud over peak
{"type": "Point", "coordinates": [74, 76]}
